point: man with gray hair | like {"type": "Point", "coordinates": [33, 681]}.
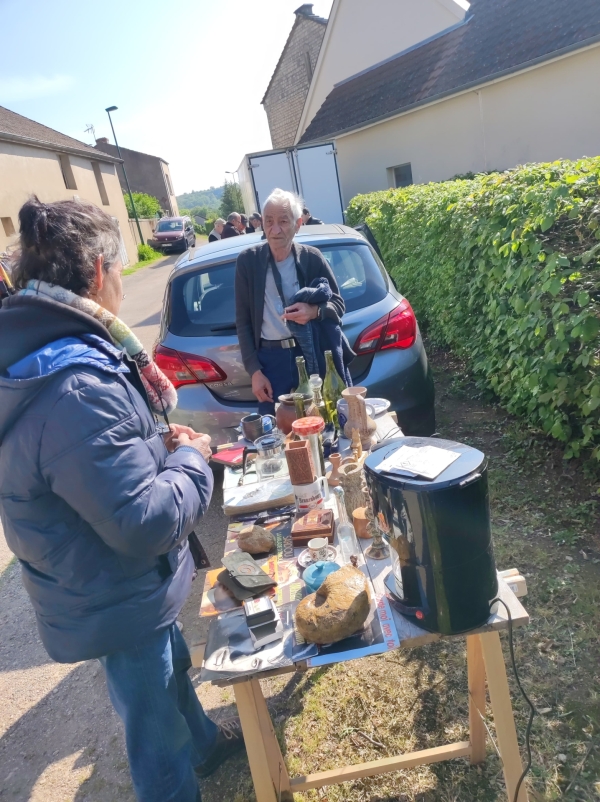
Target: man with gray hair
{"type": "Point", "coordinates": [232, 226]}
{"type": "Point", "coordinates": [267, 277]}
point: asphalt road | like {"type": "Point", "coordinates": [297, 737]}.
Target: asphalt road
{"type": "Point", "coordinates": [144, 292]}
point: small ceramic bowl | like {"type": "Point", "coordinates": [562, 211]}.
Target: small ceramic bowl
{"type": "Point", "coordinates": [317, 573]}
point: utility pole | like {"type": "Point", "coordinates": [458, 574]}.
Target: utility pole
{"type": "Point", "coordinates": [139, 228]}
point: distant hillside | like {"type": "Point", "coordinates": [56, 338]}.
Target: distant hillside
{"type": "Point", "coordinates": [209, 198]}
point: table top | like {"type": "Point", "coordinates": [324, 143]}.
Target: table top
{"type": "Point", "coordinates": [406, 634]}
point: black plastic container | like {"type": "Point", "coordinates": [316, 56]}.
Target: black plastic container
{"type": "Point", "coordinates": [445, 573]}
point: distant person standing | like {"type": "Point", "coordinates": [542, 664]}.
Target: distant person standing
{"type": "Point", "coordinates": [309, 220]}
{"type": "Point", "coordinates": [232, 226]}
{"type": "Point", "coordinates": [256, 223]}
{"type": "Point", "coordinates": [246, 225]}
{"type": "Point", "coordinates": [215, 234]}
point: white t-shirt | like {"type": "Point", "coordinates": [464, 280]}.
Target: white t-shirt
{"type": "Point", "coordinates": [273, 327]}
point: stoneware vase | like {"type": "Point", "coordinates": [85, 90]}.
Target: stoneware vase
{"type": "Point", "coordinates": [286, 411]}
{"type": "Point", "coordinates": [357, 416]}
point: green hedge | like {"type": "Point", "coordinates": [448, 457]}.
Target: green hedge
{"type": "Point", "coordinates": [505, 269]}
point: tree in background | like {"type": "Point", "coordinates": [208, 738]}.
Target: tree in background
{"type": "Point", "coordinates": [145, 205]}
{"type": "Point", "coordinates": [232, 200]}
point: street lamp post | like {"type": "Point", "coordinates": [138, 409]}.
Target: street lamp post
{"type": "Point", "coordinates": [139, 228]}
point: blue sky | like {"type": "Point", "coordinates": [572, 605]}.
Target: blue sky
{"type": "Point", "coordinates": [188, 78]}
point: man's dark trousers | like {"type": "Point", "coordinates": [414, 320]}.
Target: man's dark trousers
{"type": "Point", "coordinates": [279, 366]}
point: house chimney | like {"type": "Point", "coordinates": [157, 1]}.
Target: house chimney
{"type": "Point", "coordinates": [102, 140]}
{"type": "Point", "coordinates": [305, 10]}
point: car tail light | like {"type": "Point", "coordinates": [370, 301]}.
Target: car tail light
{"type": "Point", "coordinates": [183, 368]}
{"type": "Point", "coordinates": [398, 329]}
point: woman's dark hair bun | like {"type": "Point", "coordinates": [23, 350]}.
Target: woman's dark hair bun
{"type": "Point", "coordinates": [33, 221]}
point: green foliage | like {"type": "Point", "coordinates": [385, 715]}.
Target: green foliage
{"type": "Point", "coordinates": [209, 199]}
{"type": "Point", "coordinates": [145, 205]}
{"type": "Point", "coordinates": [232, 200]}
{"type": "Point", "coordinates": [146, 253]}
{"type": "Point", "coordinates": [505, 269]}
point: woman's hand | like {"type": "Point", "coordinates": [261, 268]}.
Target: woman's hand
{"type": "Point", "coordinates": [201, 442]}
{"type": "Point", "coordinates": [175, 429]}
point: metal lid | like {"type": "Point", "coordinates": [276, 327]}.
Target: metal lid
{"type": "Point", "coordinates": [469, 461]}
{"type": "Point", "coordinates": [305, 426]}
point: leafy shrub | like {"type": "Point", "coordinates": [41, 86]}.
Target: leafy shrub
{"type": "Point", "coordinates": [505, 269]}
{"type": "Point", "coordinates": [145, 205]}
{"type": "Point", "coordinates": [146, 253]}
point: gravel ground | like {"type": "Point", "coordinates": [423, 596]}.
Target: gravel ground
{"type": "Point", "coordinates": [60, 740]}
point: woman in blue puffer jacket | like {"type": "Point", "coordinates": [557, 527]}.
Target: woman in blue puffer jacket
{"type": "Point", "coordinates": [95, 502]}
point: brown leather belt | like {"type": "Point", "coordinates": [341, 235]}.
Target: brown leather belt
{"type": "Point", "coordinates": [289, 343]}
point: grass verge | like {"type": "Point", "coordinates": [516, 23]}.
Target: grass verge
{"type": "Point", "coordinates": [545, 523]}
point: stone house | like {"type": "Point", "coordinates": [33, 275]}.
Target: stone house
{"type": "Point", "coordinates": [445, 87]}
{"type": "Point", "coordinates": [148, 174]}
{"type": "Point", "coordinates": [286, 94]}
{"type": "Point", "coordinates": [35, 159]}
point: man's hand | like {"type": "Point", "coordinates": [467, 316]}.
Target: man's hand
{"type": "Point", "coordinates": [261, 386]}
{"type": "Point", "coordinates": [301, 313]}
{"type": "Point", "coordinates": [201, 442]}
{"type": "Point", "coordinates": [175, 429]}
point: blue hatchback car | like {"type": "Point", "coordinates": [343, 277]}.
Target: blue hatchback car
{"type": "Point", "coordinates": [198, 347]}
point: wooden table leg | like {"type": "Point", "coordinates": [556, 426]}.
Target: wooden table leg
{"type": "Point", "coordinates": [277, 767]}
{"type": "Point", "coordinates": [255, 746]}
{"type": "Point", "coordinates": [503, 714]}
{"type": "Point", "coordinates": [476, 674]}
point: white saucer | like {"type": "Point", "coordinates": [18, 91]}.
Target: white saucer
{"type": "Point", "coordinates": [304, 560]}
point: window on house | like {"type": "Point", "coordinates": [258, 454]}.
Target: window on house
{"type": "Point", "coordinates": [7, 225]}
{"type": "Point", "coordinates": [402, 175]}
{"type": "Point", "coordinates": [100, 183]}
{"type": "Point", "coordinates": [67, 171]}
{"type": "Point", "coordinates": [309, 69]}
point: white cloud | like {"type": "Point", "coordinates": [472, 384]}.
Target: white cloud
{"type": "Point", "coordinates": [16, 88]}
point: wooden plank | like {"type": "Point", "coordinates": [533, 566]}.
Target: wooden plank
{"type": "Point", "coordinates": [476, 675]}
{"type": "Point", "coordinates": [386, 764]}
{"type": "Point", "coordinates": [503, 714]}
{"type": "Point", "coordinates": [255, 747]}
{"type": "Point", "coordinates": [277, 767]}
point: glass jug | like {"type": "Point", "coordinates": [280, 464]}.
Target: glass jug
{"type": "Point", "coordinates": [270, 460]}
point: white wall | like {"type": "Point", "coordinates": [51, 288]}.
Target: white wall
{"type": "Point", "coordinates": [360, 34]}
{"type": "Point", "coordinates": [547, 113]}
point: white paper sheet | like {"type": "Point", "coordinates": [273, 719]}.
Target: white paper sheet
{"type": "Point", "coordinates": [427, 461]}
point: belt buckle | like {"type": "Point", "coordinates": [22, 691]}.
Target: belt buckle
{"type": "Point", "coordinates": [289, 343]}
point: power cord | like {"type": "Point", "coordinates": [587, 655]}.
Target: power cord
{"type": "Point", "coordinates": [523, 694]}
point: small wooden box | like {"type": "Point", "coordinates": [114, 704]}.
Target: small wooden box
{"type": "Point", "coordinates": [316, 523]}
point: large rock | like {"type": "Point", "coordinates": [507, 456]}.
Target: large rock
{"type": "Point", "coordinates": [337, 610]}
{"type": "Point", "coordinates": [255, 540]}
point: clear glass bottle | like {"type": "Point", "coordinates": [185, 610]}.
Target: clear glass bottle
{"type": "Point", "coordinates": [303, 381]}
{"type": "Point", "coordinates": [332, 389]}
{"type": "Point", "coordinates": [316, 383]}
{"type": "Point", "coordinates": [347, 541]}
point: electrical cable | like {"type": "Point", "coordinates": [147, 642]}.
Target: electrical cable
{"type": "Point", "coordinates": [523, 694]}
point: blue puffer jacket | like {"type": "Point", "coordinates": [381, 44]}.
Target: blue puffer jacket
{"type": "Point", "coordinates": [93, 505]}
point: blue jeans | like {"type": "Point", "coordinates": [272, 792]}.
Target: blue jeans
{"type": "Point", "coordinates": [166, 730]}
{"type": "Point", "coordinates": [279, 366]}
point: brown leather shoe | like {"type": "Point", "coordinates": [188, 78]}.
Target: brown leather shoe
{"type": "Point", "coordinates": [230, 740]}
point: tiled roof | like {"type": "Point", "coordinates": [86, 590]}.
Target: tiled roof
{"type": "Point", "coordinates": [22, 128]}
{"type": "Point", "coordinates": [497, 37]}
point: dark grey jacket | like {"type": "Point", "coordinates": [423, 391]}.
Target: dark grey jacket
{"type": "Point", "coordinates": [250, 280]}
{"type": "Point", "coordinates": [92, 504]}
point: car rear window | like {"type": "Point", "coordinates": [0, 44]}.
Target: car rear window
{"type": "Point", "coordinates": [203, 303]}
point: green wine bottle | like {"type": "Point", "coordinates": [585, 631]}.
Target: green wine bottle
{"type": "Point", "coordinates": [303, 380]}
{"type": "Point", "coordinates": [332, 389]}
